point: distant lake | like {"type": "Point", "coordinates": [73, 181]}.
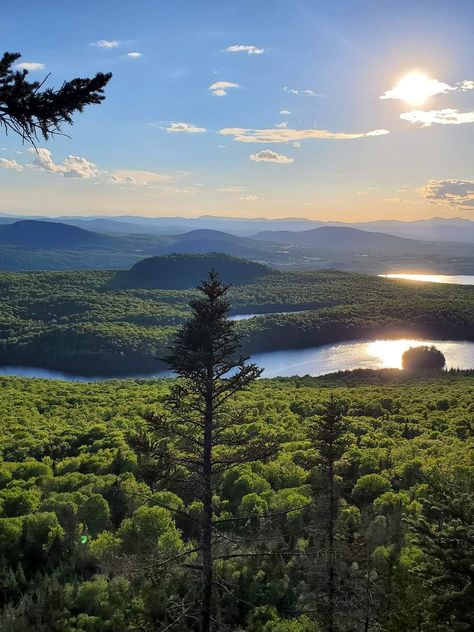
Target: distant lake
{"type": "Point", "coordinates": [343, 356]}
{"type": "Point", "coordinates": [460, 279]}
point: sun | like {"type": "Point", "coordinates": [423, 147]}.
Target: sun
{"type": "Point", "coordinates": [415, 88]}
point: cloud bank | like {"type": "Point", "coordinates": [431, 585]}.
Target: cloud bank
{"type": "Point", "coordinates": [459, 194]}
{"type": "Point", "coordinates": [448, 116]}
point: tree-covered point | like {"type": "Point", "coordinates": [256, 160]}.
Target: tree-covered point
{"type": "Point", "coordinates": [74, 321]}
{"type": "Point", "coordinates": [88, 541]}
{"type": "Point", "coordinates": [423, 357]}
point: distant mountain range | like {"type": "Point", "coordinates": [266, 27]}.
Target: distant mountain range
{"type": "Point", "coordinates": [434, 229]}
{"type": "Point", "coordinates": [53, 245]}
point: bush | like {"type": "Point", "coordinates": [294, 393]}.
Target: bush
{"type": "Point", "coordinates": [424, 357]}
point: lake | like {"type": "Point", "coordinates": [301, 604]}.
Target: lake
{"type": "Point", "coordinates": [460, 279]}
{"type": "Point", "coordinates": [343, 356]}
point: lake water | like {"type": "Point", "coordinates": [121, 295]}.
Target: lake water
{"type": "Point", "coordinates": [343, 356]}
{"type": "Point", "coordinates": [460, 279]}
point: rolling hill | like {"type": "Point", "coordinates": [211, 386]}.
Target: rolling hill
{"type": "Point", "coordinates": [50, 236]}
{"type": "Point", "coordinates": [182, 271]}
{"type": "Point", "coordinates": [338, 238]}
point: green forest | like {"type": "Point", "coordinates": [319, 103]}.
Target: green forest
{"type": "Point", "coordinates": [85, 537]}
{"type": "Point", "coordinates": [220, 501]}
{"type": "Point", "coordinates": [79, 322]}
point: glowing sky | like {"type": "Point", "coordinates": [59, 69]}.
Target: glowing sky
{"type": "Point", "coordinates": [343, 110]}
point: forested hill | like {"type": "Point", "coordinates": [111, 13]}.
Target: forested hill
{"type": "Point", "coordinates": [50, 235]}
{"type": "Point", "coordinates": [344, 238]}
{"type": "Point", "coordinates": [186, 271]}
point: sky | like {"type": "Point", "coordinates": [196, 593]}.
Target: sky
{"type": "Point", "coordinates": [345, 110]}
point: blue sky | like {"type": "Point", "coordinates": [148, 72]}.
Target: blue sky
{"type": "Point", "coordinates": [165, 143]}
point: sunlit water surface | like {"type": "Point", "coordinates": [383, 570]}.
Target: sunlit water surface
{"type": "Point", "coordinates": [343, 356]}
{"type": "Point", "coordinates": [460, 279]}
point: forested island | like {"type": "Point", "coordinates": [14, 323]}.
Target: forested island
{"type": "Point", "coordinates": [95, 323]}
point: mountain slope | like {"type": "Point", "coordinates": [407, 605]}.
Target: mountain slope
{"type": "Point", "coordinates": [335, 238]}
{"type": "Point", "coordinates": [50, 235]}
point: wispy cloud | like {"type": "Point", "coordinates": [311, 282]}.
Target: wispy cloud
{"type": "Point", "coordinates": [267, 155]}
{"type": "Point", "coordinates": [250, 198]}
{"type": "Point", "coordinates": [286, 135]}
{"type": "Point", "coordinates": [448, 116]}
{"type": "Point", "coordinates": [458, 194]}
{"type": "Point", "coordinates": [282, 125]}
{"type": "Point", "coordinates": [285, 112]}
{"type": "Point", "coordinates": [138, 177]}
{"type": "Point", "coordinates": [306, 93]}
{"type": "Point", "coordinates": [174, 126]}
{"type": "Point", "coordinates": [233, 189]}
{"type": "Point", "coordinates": [244, 48]}
{"type": "Point", "coordinates": [103, 43]}
{"type": "Point", "coordinates": [10, 164]}
{"type": "Point", "coordinates": [32, 66]}
{"type": "Point", "coordinates": [219, 88]}
{"type": "Point", "coordinates": [134, 55]}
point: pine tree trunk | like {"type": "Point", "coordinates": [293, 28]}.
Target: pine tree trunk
{"type": "Point", "coordinates": [331, 578]}
{"type": "Point", "coordinates": [206, 536]}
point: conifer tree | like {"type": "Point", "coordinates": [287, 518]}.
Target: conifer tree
{"type": "Point", "coordinates": [329, 436]}
{"type": "Point", "coordinates": [33, 112]}
{"type": "Point", "coordinates": [202, 436]}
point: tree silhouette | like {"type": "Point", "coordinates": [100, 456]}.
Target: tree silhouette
{"type": "Point", "coordinates": [33, 112]}
{"type": "Point", "coordinates": [423, 358]}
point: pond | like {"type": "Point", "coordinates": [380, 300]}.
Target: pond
{"type": "Point", "coordinates": [343, 356]}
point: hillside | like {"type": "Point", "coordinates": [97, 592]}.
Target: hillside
{"type": "Point", "coordinates": [336, 238]}
{"type": "Point", "coordinates": [204, 241]}
{"type": "Point", "coordinates": [181, 271]}
{"type": "Point", "coordinates": [50, 235]}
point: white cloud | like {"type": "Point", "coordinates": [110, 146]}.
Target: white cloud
{"type": "Point", "coordinates": [250, 198]}
{"type": "Point", "coordinates": [234, 189]}
{"type": "Point", "coordinates": [448, 116]}
{"type": "Point", "coordinates": [244, 48]}
{"type": "Point", "coordinates": [286, 135]}
{"type": "Point", "coordinates": [306, 93]}
{"type": "Point", "coordinates": [284, 112]}
{"type": "Point", "coordinates": [185, 127]}
{"type": "Point", "coordinates": [103, 43]}
{"type": "Point", "coordinates": [464, 86]}
{"type": "Point", "coordinates": [458, 194]}
{"type": "Point", "coordinates": [71, 167]}
{"type": "Point", "coordinates": [10, 164]}
{"type": "Point", "coordinates": [296, 144]}
{"type": "Point", "coordinates": [134, 55]}
{"type": "Point", "coordinates": [219, 88]}
{"type": "Point", "coordinates": [416, 87]}
{"type": "Point", "coordinates": [282, 125]}
{"type": "Point", "coordinates": [32, 66]}
{"type": "Point", "coordinates": [267, 155]}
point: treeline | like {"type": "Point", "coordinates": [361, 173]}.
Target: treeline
{"type": "Point", "coordinates": [74, 322]}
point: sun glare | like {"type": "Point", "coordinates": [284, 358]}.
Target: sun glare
{"type": "Point", "coordinates": [415, 88]}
